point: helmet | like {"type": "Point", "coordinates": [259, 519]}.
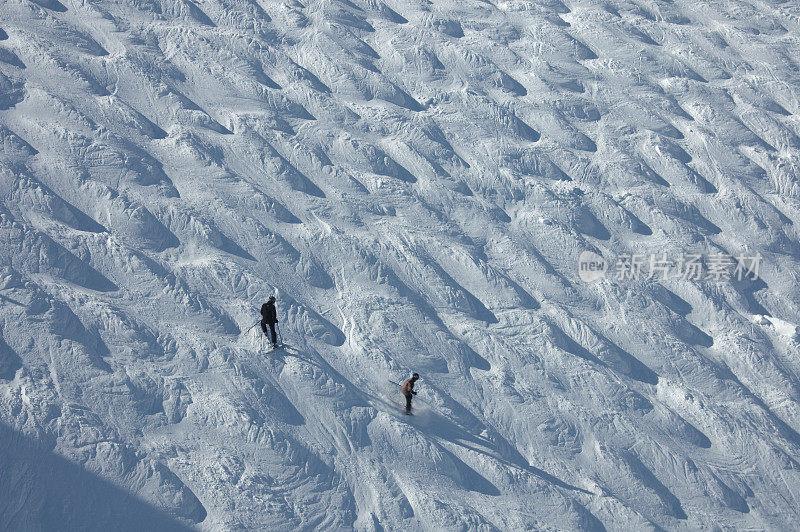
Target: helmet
{"type": "Point", "coordinates": [415, 375]}
{"type": "Point", "coordinates": [272, 299]}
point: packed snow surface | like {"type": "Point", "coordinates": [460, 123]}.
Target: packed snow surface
{"type": "Point", "coordinates": [414, 180]}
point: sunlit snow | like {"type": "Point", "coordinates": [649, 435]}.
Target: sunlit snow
{"type": "Point", "coordinates": [415, 181]}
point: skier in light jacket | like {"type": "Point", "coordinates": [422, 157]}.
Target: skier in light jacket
{"type": "Point", "coordinates": [408, 391]}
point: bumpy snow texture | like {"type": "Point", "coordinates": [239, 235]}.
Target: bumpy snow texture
{"type": "Point", "coordinates": [414, 180]}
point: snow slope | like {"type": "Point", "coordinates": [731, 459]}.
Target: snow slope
{"type": "Point", "coordinates": [415, 181]}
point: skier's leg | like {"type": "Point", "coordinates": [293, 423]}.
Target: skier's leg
{"type": "Point", "coordinates": [274, 334]}
{"type": "Point", "coordinates": [408, 403]}
{"type": "Point", "coordinates": [266, 335]}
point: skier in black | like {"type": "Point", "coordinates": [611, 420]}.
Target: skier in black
{"type": "Point", "coordinates": [269, 317]}
{"type": "Point", "coordinates": [408, 391]}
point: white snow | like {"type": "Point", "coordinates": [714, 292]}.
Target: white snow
{"type": "Point", "coordinates": [415, 182]}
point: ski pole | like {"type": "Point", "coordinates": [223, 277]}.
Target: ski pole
{"type": "Point", "coordinates": [280, 337]}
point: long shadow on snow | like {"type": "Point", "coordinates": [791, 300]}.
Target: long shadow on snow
{"type": "Point", "coordinates": [296, 179]}
{"type": "Point", "coordinates": [476, 309]}
{"type": "Point", "coordinates": [469, 478]}
{"type": "Point", "coordinates": [331, 335]}
{"type": "Point", "coordinates": [444, 429]}
{"type": "Point", "coordinates": [278, 404]}
{"type": "Point", "coordinates": [6, 299]}
{"type": "Point", "coordinates": [784, 429]}
{"type": "Point", "coordinates": [230, 246]}
{"type": "Point", "coordinates": [528, 301]}
{"type": "Point", "coordinates": [624, 362]}
{"type": "Point", "coordinates": [447, 430]}
{"type": "Point", "coordinates": [473, 359]}
{"type": "Point", "coordinates": [685, 330]}
{"type": "Point", "coordinates": [670, 501]}
{"type": "Point", "coordinates": [43, 489]}
{"type": "Point", "coordinates": [466, 476]}
{"type": "Point", "coordinates": [322, 364]}
{"type": "Point", "coordinates": [636, 369]}
{"type": "Point", "coordinates": [37, 251]}
{"type": "Point", "coordinates": [80, 220]}
{"type": "Point", "coordinates": [10, 361]}
{"type": "Point", "coordinates": [10, 58]}
{"type": "Point", "coordinates": [669, 299]}
{"type": "Point", "coordinates": [748, 288]}
{"type": "Point", "coordinates": [198, 303]}
{"type": "Point", "coordinates": [66, 324]}
{"type": "Point", "coordinates": [53, 5]}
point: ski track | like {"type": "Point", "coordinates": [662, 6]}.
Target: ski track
{"type": "Point", "coordinates": [414, 181]}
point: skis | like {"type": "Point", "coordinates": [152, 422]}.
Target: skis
{"type": "Point", "coordinates": [268, 348]}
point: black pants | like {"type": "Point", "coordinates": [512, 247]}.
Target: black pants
{"type": "Point", "coordinates": [408, 402]}
{"type": "Point", "coordinates": [271, 330]}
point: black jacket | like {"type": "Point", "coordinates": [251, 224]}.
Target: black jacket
{"type": "Point", "coordinates": [268, 313]}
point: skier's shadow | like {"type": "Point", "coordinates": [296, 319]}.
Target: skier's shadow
{"type": "Point", "coordinates": [446, 429]}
